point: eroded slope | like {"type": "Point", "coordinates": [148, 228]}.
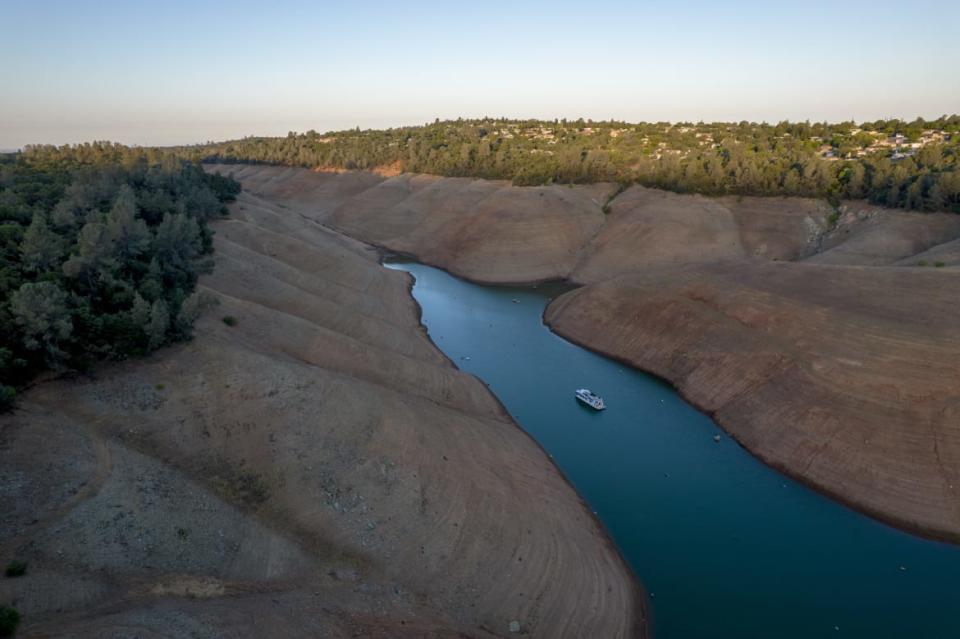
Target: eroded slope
{"type": "Point", "coordinates": [846, 377]}
{"type": "Point", "coordinates": [317, 469]}
{"type": "Point", "coordinates": [844, 341]}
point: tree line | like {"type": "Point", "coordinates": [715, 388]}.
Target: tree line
{"type": "Point", "coordinates": [835, 161]}
{"type": "Point", "coordinates": [100, 249]}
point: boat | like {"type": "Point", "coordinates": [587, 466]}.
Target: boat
{"type": "Point", "coordinates": [589, 398]}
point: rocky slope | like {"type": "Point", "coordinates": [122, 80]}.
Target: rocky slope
{"type": "Point", "coordinates": [317, 469]}
{"type": "Point", "coordinates": [808, 335]}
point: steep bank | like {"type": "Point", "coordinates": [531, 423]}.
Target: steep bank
{"type": "Point", "coordinates": [482, 230]}
{"type": "Point", "coordinates": [317, 469]}
{"type": "Point", "coordinates": [837, 366]}
{"type": "Point", "coordinates": [831, 374]}
{"type": "Point", "coordinates": [492, 232]}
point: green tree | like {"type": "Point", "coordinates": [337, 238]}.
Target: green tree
{"type": "Point", "coordinates": [42, 248]}
{"type": "Point", "coordinates": [124, 230]}
{"type": "Point", "coordinates": [156, 328]}
{"type": "Point", "coordinates": [42, 312]}
{"type": "Point", "coordinates": [93, 257]}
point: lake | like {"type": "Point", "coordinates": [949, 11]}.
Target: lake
{"type": "Point", "coordinates": [726, 546]}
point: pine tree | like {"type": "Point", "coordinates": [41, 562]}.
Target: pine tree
{"type": "Point", "coordinates": [41, 249]}
{"type": "Point", "coordinates": [156, 329]}
{"type": "Point", "coordinates": [41, 311]}
{"type": "Point", "coordinates": [127, 233]}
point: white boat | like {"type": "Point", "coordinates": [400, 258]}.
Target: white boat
{"type": "Point", "coordinates": [590, 399]}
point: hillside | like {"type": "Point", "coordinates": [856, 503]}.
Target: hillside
{"type": "Point", "coordinates": [314, 467]}
{"type": "Point", "coordinates": [814, 339]}
{"type": "Point", "coordinates": [828, 373]}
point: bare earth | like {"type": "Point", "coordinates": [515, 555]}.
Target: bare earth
{"type": "Point", "coordinates": [820, 345]}
{"type": "Point", "coordinates": [819, 371]}
{"type": "Point", "coordinates": [321, 469]}
{"type": "Point", "coordinates": [318, 470]}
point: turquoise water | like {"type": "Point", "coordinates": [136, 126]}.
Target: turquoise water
{"type": "Point", "coordinates": [726, 547]}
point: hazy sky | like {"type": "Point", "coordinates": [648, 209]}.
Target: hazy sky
{"type": "Point", "coordinates": [166, 72]}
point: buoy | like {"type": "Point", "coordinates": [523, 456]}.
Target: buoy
{"type": "Point", "coordinates": [716, 438]}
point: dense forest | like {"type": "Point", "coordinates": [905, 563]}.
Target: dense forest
{"type": "Point", "coordinates": [911, 165]}
{"type": "Point", "coordinates": [100, 249]}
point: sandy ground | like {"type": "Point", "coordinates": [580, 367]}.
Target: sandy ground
{"type": "Point", "coordinates": [818, 343]}
{"type": "Point", "coordinates": [319, 469]}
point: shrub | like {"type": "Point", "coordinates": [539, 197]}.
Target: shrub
{"type": "Point", "coordinates": [9, 620]}
{"type": "Point", "coordinates": [939, 264]}
{"type": "Point", "coordinates": [16, 568]}
{"type": "Point", "coordinates": [230, 320]}
{"type": "Point", "coordinates": [8, 397]}
{"type": "Point", "coordinates": [922, 263]}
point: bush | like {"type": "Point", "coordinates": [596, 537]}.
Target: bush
{"type": "Point", "coordinates": [939, 264]}
{"type": "Point", "coordinates": [8, 397]}
{"type": "Point", "coordinates": [16, 568]}
{"type": "Point", "coordinates": [230, 320]}
{"type": "Point", "coordinates": [922, 263]}
{"type": "Point", "coordinates": [9, 620]}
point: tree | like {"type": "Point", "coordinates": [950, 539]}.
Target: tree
{"type": "Point", "coordinates": [854, 177]}
{"type": "Point", "coordinates": [42, 312]}
{"type": "Point", "coordinates": [93, 256]}
{"type": "Point", "coordinates": [41, 249]}
{"type": "Point", "coordinates": [156, 329]}
{"type": "Point", "coordinates": [124, 230]}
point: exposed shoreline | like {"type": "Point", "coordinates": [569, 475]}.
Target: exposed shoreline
{"type": "Point", "coordinates": [643, 621]}
{"type": "Point", "coordinates": [737, 245]}
{"type": "Point", "coordinates": [354, 474]}
{"type": "Point", "coordinates": [822, 489]}
{"type": "Point", "coordinates": [876, 514]}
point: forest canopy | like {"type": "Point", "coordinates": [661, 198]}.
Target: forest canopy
{"type": "Point", "coordinates": [100, 249]}
{"type": "Point", "coordinates": [911, 165]}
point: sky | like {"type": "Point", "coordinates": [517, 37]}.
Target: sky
{"type": "Point", "coordinates": [174, 72]}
